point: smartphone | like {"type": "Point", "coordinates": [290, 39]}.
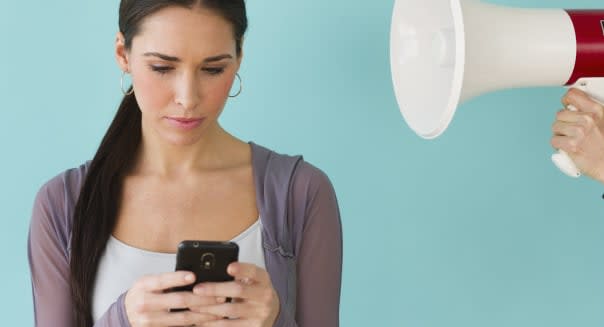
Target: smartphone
{"type": "Point", "coordinates": [208, 260]}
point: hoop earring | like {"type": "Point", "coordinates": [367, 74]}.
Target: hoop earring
{"type": "Point", "coordinates": [122, 85]}
{"type": "Point", "coordinates": [240, 86]}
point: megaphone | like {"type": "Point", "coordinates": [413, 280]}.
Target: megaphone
{"type": "Point", "coordinates": [444, 52]}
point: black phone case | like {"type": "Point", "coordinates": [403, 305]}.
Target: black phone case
{"type": "Point", "coordinates": [208, 260]}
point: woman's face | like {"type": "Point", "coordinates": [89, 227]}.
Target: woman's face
{"type": "Point", "coordinates": [183, 63]}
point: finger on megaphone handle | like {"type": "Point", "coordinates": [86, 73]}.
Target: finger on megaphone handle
{"type": "Point", "coordinates": [568, 129]}
{"type": "Point", "coordinates": [571, 95]}
{"type": "Point", "coordinates": [564, 143]}
{"type": "Point", "coordinates": [582, 102]}
{"type": "Point", "coordinates": [568, 116]}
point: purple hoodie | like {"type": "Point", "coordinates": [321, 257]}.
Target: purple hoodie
{"type": "Point", "coordinates": [301, 236]}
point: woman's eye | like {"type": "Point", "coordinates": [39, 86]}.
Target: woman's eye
{"type": "Point", "coordinates": [214, 71]}
{"type": "Point", "coordinates": [161, 69]}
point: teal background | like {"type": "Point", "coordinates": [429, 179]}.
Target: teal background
{"type": "Point", "coordinates": [476, 228]}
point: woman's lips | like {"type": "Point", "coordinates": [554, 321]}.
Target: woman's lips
{"type": "Point", "coordinates": [185, 123]}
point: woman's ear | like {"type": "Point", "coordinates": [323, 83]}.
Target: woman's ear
{"type": "Point", "coordinates": [121, 53]}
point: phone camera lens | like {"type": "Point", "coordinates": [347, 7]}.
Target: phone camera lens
{"type": "Point", "coordinates": [196, 244]}
{"type": "Point", "coordinates": [208, 261]}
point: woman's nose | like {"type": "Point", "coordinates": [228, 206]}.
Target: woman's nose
{"type": "Point", "coordinates": [187, 92]}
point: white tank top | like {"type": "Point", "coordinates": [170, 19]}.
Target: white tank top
{"type": "Point", "coordinates": [121, 265]}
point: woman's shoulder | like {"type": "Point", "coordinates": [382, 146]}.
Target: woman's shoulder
{"type": "Point", "coordinates": [311, 174]}
{"type": "Point", "coordinates": [57, 197]}
{"type": "Point", "coordinates": [67, 183]}
{"type": "Point", "coordinates": [305, 176]}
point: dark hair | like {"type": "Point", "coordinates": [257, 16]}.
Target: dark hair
{"type": "Point", "coordinates": [99, 200]}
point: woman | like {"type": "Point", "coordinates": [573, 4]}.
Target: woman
{"type": "Point", "coordinates": [103, 236]}
{"type": "Point", "coordinates": [581, 133]}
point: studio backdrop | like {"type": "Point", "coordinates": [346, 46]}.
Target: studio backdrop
{"type": "Point", "coordinates": [475, 228]}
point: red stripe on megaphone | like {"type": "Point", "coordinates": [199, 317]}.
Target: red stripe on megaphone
{"type": "Point", "coordinates": [589, 29]}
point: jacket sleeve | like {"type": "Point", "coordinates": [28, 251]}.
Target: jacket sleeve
{"type": "Point", "coordinates": [319, 264]}
{"type": "Point", "coordinates": [48, 256]}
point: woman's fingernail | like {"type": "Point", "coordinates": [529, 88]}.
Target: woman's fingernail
{"type": "Point", "coordinates": [220, 299]}
{"type": "Point", "coordinates": [189, 277]}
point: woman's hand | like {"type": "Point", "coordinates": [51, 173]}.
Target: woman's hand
{"type": "Point", "coordinates": [255, 301]}
{"type": "Point", "coordinates": [581, 133]}
{"type": "Point", "coordinates": [148, 304]}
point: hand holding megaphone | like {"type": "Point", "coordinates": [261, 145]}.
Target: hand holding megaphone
{"type": "Point", "coordinates": [579, 133]}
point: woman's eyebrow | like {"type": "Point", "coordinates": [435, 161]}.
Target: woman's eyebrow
{"type": "Point", "coordinates": [176, 59]}
{"type": "Point", "coordinates": [161, 56]}
{"type": "Point", "coordinates": [218, 58]}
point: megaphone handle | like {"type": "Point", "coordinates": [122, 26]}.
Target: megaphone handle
{"type": "Point", "coordinates": [561, 159]}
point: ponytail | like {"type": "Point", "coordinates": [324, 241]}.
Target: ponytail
{"type": "Point", "coordinates": [98, 204]}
